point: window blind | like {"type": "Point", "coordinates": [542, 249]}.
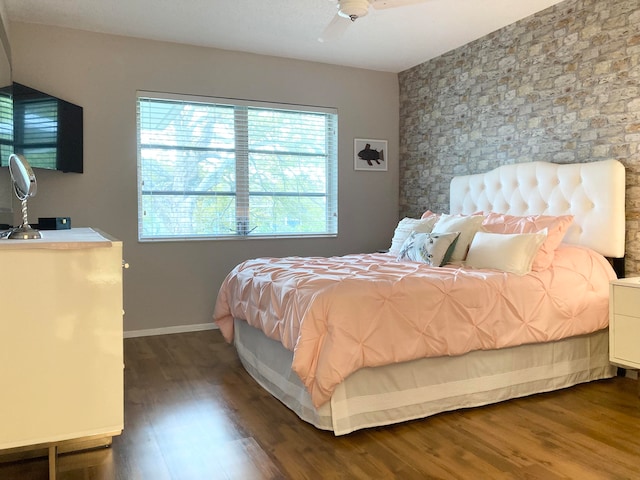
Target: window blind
{"type": "Point", "coordinates": [216, 168]}
{"type": "Point", "coordinates": [36, 131]}
{"type": "Point", "coordinates": [6, 127]}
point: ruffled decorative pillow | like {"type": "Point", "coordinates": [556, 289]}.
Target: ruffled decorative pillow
{"type": "Point", "coordinates": [430, 248]}
{"type": "Point", "coordinates": [556, 227]}
{"type": "Point", "coordinates": [408, 225]}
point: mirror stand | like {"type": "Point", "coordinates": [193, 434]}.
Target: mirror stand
{"type": "Point", "coordinates": [24, 231]}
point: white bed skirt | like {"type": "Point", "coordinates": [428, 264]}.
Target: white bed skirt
{"type": "Point", "coordinates": [410, 390]}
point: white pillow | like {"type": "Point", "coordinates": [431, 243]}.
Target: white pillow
{"type": "Point", "coordinates": [467, 225]}
{"type": "Point", "coordinates": [509, 252]}
{"type": "Point", "coordinates": [404, 229]}
{"type": "Point", "coordinates": [430, 248]}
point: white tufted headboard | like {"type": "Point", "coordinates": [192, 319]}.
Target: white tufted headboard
{"type": "Point", "coordinates": [594, 193]}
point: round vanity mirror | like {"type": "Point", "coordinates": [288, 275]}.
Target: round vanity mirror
{"type": "Point", "coordinates": [24, 181]}
{"type": "Point", "coordinates": [24, 186]}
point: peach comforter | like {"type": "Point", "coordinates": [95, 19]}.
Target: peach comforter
{"type": "Point", "coordinates": [341, 314]}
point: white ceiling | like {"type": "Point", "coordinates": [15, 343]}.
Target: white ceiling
{"type": "Point", "coordinates": [392, 39]}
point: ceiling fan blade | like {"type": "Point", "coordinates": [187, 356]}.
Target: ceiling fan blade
{"type": "Point", "coordinates": [336, 28]}
{"type": "Point", "coordinates": [384, 4]}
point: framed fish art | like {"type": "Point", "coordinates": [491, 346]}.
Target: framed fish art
{"type": "Point", "coordinates": [370, 155]}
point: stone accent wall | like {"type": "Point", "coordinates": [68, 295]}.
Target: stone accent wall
{"type": "Point", "coordinates": [562, 86]}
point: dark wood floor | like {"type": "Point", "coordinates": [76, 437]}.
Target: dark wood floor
{"type": "Point", "coordinates": [191, 412]}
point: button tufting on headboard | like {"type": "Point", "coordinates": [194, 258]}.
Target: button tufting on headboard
{"type": "Point", "coordinates": [594, 193]}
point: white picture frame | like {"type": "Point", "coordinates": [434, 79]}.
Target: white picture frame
{"type": "Point", "coordinates": [370, 155]}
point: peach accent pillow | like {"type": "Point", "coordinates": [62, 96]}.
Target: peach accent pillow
{"type": "Point", "coordinates": [429, 214]}
{"type": "Point", "coordinates": [556, 229]}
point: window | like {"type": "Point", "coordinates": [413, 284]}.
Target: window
{"type": "Point", "coordinates": [218, 168]}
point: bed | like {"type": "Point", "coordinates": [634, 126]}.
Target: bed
{"type": "Point", "coordinates": [293, 324]}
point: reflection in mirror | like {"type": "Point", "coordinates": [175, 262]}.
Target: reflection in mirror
{"type": "Point", "coordinates": [6, 149]}
{"type": "Point", "coordinates": [5, 50]}
{"type": "Point", "coordinates": [24, 186]}
{"type": "Point", "coordinates": [5, 69]}
{"type": "Point", "coordinates": [6, 209]}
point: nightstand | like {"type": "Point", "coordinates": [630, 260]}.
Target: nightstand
{"type": "Point", "coordinates": [624, 323]}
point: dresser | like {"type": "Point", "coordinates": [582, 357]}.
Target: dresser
{"type": "Point", "coordinates": [61, 356]}
{"type": "Point", "coordinates": [624, 322]}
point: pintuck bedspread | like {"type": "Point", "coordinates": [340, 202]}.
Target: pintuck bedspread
{"type": "Point", "coordinates": [340, 314]}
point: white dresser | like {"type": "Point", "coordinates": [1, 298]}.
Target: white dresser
{"type": "Point", "coordinates": [624, 322]}
{"type": "Point", "coordinates": [61, 360]}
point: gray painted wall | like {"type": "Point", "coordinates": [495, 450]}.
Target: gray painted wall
{"type": "Point", "coordinates": [175, 283]}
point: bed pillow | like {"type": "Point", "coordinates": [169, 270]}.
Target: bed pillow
{"type": "Point", "coordinates": [430, 248]}
{"type": "Point", "coordinates": [467, 225]}
{"type": "Point", "coordinates": [429, 214]}
{"type": "Point", "coordinates": [509, 252]}
{"type": "Point", "coordinates": [408, 225]}
{"type": "Point", "coordinates": [556, 227]}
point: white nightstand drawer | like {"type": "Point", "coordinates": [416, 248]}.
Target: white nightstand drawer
{"type": "Point", "coordinates": [627, 301]}
{"type": "Point", "coordinates": [624, 322]}
{"type": "Point", "coordinates": [625, 339]}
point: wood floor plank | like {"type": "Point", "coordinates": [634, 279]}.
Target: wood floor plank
{"type": "Point", "coordinates": [521, 446]}
{"type": "Point", "coordinates": [192, 412]}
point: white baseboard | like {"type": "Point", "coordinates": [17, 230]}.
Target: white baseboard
{"type": "Point", "coordinates": [170, 330]}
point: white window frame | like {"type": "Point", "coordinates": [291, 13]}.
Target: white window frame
{"type": "Point", "coordinates": [243, 227]}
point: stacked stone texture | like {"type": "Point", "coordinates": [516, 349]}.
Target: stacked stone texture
{"type": "Point", "coordinates": [561, 86]}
